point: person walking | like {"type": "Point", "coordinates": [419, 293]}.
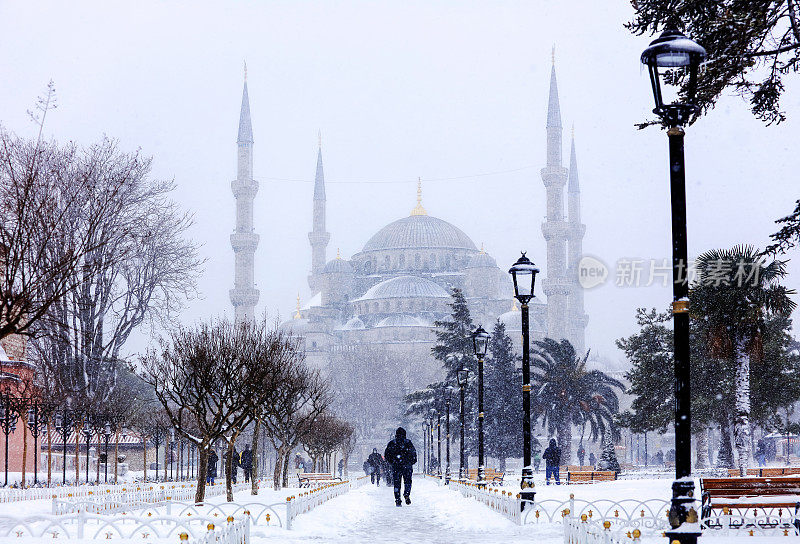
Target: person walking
{"type": "Point", "coordinates": [247, 462]}
{"type": "Point", "coordinates": [552, 458]}
{"type": "Point", "coordinates": [375, 462]}
{"type": "Point", "coordinates": [402, 456]}
{"type": "Point", "coordinates": [537, 460]}
{"type": "Point", "coordinates": [581, 453]}
{"type": "Point", "coordinates": [593, 459]}
{"type": "Point", "coordinates": [211, 473]}
{"type": "Point", "coordinates": [341, 467]}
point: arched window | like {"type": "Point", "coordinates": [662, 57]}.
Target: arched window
{"type": "Point", "coordinates": [387, 262]}
{"type": "Point", "coordinates": [368, 267]}
{"type": "Point", "coordinates": [402, 260]}
{"type": "Point", "coordinates": [417, 261]}
{"type": "Point", "coordinates": [433, 261]}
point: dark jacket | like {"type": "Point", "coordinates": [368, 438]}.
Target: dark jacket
{"type": "Point", "coordinates": [212, 464]}
{"type": "Point", "coordinates": [400, 452]}
{"type": "Point", "coordinates": [247, 460]}
{"type": "Point", "coordinates": [374, 461]}
{"type": "Point", "coordinates": [552, 455]}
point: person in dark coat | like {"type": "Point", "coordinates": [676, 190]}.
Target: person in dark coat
{"type": "Point", "coordinates": [247, 462]}
{"type": "Point", "coordinates": [552, 458]}
{"type": "Point", "coordinates": [375, 463]}
{"type": "Point", "coordinates": [234, 463]}
{"type": "Point", "coordinates": [341, 467]}
{"type": "Point", "coordinates": [581, 454]}
{"type": "Point", "coordinates": [593, 459]}
{"type": "Point", "coordinates": [211, 473]}
{"type": "Point", "coordinates": [402, 456]}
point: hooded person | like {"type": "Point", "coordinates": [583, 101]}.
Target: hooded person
{"type": "Point", "coordinates": [375, 461]}
{"type": "Point", "coordinates": [247, 462]}
{"type": "Point", "coordinates": [552, 457]}
{"type": "Point", "coordinates": [401, 456]}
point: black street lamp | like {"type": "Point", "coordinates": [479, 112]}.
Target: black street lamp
{"type": "Point", "coordinates": [158, 435]}
{"type": "Point", "coordinates": [171, 455]}
{"type": "Point", "coordinates": [430, 442]}
{"type": "Point", "coordinates": [463, 377]}
{"type": "Point", "coordinates": [87, 433]}
{"type": "Point", "coordinates": [38, 414]}
{"type": "Point", "coordinates": [447, 437]}
{"type": "Point", "coordinates": [107, 432]}
{"type": "Point", "coordinates": [681, 58]}
{"type": "Point", "coordinates": [523, 272]}
{"type": "Point", "coordinates": [425, 447]}
{"type": "Point", "coordinates": [480, 343]}
{"type": "Point", "coordinates": [438, 445]}
{"type": "Point", "coordinates": [62, 421]}
{"type": "Point", "coordinates": [8, 420]}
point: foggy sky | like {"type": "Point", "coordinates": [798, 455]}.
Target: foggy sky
{"type": "Point", "coordinates": [454, 90]}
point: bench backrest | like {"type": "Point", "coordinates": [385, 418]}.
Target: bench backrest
{"type": "Point", "coordinates": [315, 475]}
{"type": "Point", "coordinates": [766, 472]}
{"type": "Point", "coordinates": [750, 486]}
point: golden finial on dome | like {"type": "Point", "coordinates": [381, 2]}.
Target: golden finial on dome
{"type": "Point", "coordinates": [515, 309]}
{"type": "Point", "coordinates": [482, 250]}
{"type": "Point", "coordinates": [338, 255]}
{"type": "Point", "coordinates": [419, 210]}
{"type": "Point", "coordinates": [297, 314]}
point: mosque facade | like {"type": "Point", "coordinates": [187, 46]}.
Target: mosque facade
{"type": "Point", "coordinates": [391, 292]}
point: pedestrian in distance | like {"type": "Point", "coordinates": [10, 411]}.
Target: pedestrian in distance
{"type": "Point", "coordinates": [234, 463]}
{"type": "Point", "coordinates": [375, 462]}
{"type": "Point", "coordinates": [341, 467]}
{"type": "Point", "coordinates": [581, 453]}
{"type": "Point", "coordinates": [593, 459]}
{"type": "Point", "coordinates": [211, 473]}
{"type": "Point", "coordinates": [537, 460]}
{"type": "Point", "coordinates": [552, 459]}
{"type": "Point", "coordinates": [401, 455]}
{"type": "Point", "coordinates": [247, 462]}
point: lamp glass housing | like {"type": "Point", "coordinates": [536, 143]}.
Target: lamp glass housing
{"type": "Point", "coordinates": [480, 342]}
{"type": "Point", "coordinates": [523, 273]}
{"type": "Point", "coordinates": [463, 376]}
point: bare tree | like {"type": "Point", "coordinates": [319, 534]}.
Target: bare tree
{"type": "Point", "coordinates": [304, 395]}
{"type": "Point", "coordinates": [140, 270]}
{"type": "Point", "coordinates": [206, 378]}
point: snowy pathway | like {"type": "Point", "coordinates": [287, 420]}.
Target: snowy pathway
{"type": "Point", "coordinates": [436, 515]}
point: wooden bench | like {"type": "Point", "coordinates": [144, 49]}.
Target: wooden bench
{"type": "Point", "coordinates": [749, 492]}
{"type": "Point", "coordinates": [564, 470]}
{"type": "Point", "coordinates": [308, 478]}
{"type": "Point", "coordinates": [492, 476]}
{"type": "Point", "coordinates": [590, 476]}
{"type": "Point", "coordinates": [766, 472]}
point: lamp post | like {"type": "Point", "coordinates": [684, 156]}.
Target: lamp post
{"type": "Point", "coordinates": [430, 443]}
{"type": "Point", "coordinates": [480, 344]}
{"type": "Point", "coordinates": [171, 454]}
{"type": "Point", "coordinates": [677, 54]}
{"type": "Point", "coordinates": [523, 273]}
{"type": "Point", "coordinates": [107, 431]}
{"type": "Point", "coordinates": [87, 433]}
{"type": "Point", "coordinates": [424, 447]}
{"type": "Point", "coordinates": [447, 437]}
{"type": "Point", "coordinates": [8, 420]}
{"type": "Point", "coordinates": [439, 445]}
{"type": "Point", "coordinates": [463, 376]}
{"type": "Point", "coordinates": [62, 421]}
{"type": "Point", "coordinates": [37, 419]}
{"type": "Point", "coordinates": [158, 434]}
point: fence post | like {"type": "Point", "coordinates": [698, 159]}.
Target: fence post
{"type": "Point", "coordinates": [288, 513]}
{"type": "Point", "coordinates": [81, 522]}
{"type": "Point", "coordinates": [169, 508]}
{"type": "Point", "coordinates": [55, 512]}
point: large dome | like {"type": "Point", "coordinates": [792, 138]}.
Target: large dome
{"type": "Point", "coordinates": [419, 231]}
{"type": "Point", "coordinates": [405, 287]}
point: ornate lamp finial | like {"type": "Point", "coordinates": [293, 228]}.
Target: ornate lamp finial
{"type": "Point", "coordinates": [297, 313]}
{"type": "Point", "coordinates": [419, 210]}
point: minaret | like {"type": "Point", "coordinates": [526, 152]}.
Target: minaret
{"type": "Point", "coordinates": [577, 317]}
{"type": "Point", "coordinates": [244, 241]}
{"type": "Point", "coordinates": [554, 229]}
{"type": "Point", "coordinates": [318, 237]}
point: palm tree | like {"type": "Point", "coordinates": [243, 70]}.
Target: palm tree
{"type": "Point", "coordinates": [735, 290]}
{"type": "Point", "coordinates": [565, 393]}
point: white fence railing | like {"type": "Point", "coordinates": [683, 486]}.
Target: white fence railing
{"type": "Point", "coordinates": [62, 491]}
{"type": "Point", "coordinates": [583, 531]}
{"type": "Point", "coordinates": [308, 500]}
{"type": "Point", "coordinates": [85, 526]}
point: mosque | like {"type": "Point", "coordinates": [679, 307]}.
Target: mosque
{"type": "Point", "coordinates": [390, 293]}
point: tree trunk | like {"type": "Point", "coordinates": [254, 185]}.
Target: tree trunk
{"type": "Point", "coordinates": [116, 457]}
{"type": "Point", "coordinates": [276, 475]}
{"type": "Point", "coordinates": [286, 462]}
{"type": "Point", "coordinates": [144, 456]}
{"type": "Point", "coordinates": [725, 453]}
{"type": "Point", "coordinates": [254, 459]}
{"type": "Point", "coordinates": [701, 442]}
{"type": "Point", "coordinates": [565, 442]}
{"type": "Point", "coordinates": [229, 468]}
{"type": "Point", "coordinates": [202, 471]}
{"type": "Point", "coordinates": [741, 422]}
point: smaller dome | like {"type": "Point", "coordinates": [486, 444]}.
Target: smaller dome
{"type": "Point", "coordinates": [402, 320]}
{"type": "Point", "coordinates": [353, 324]}
{"type": "Point", "coordinates": [405, 287]}
{"type": "Point", "coordinates": [482, 260]}
{"type": "Point", "coordinates": [338, 266]}
{"type": "Point", "coordinates": [512, 320]}
{"type": "Point", "coordinates": [295, 327]}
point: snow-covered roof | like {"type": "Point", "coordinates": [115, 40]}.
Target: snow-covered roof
{"type": "Point", "coordinates": [314, 301]}
{"type": "Point", "coordinates": [353, 324]}
{"type": "Point", "coordinates": [405, 287]}
{"type": "Point", "coordinates": [402, 320]}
